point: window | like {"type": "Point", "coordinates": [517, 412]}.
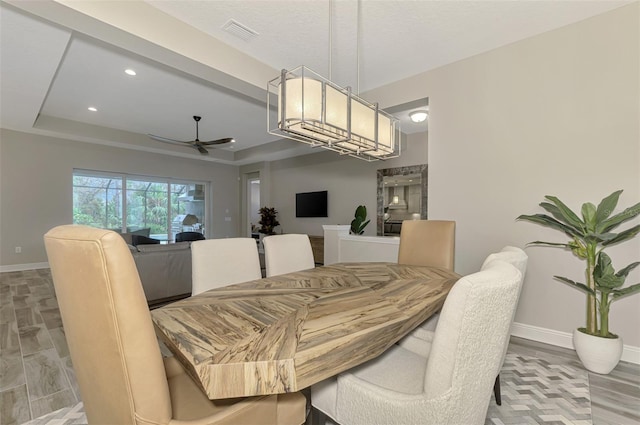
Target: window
{"type": "Point", "coordinates": [156, 207]}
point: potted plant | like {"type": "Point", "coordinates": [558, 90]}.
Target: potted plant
{"type": "Point", "coordinates": [268, 220]}
{"type": "Point", "coordinates": [360, 221]}
{"type": "Point", "coordinates": [590, 233]}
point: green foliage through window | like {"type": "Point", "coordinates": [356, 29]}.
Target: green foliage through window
{"type": "Point", "coordinates": [104, 201]}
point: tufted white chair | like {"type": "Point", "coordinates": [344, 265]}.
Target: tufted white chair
{"type": "Point", "coordinates": [452, 385]}
{"type": "Point", "coordinates": [287, 253]}
{"type": "Point", "coordinates": [221, 262]}
{"type": "Point", "coordinates": [420, 339]}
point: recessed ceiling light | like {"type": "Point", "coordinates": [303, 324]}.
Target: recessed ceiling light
{"type": "Point", "coordinates": [130, 72]}
{"type": "Point", "coordinates": [418, 116]}
{"type": "Point", "coordinates": [92, 109]}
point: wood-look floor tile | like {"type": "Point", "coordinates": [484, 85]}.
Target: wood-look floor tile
{"type": "Point", "coordinates": [610, 415]}
{"type": "Point", "coordinates": [11, 370]}
{"type": "Point", "coordinates": [71, 376]}
{"type": "Point", "coordinates": [21, 301]}
{"type": "Point", "coordinates": [27, 316]}
{"type": "Point", "coordinates": [52, 318]}
{"type": "Point", "coordinates": [20, 289]}
{"type": "Point", "coordinates": [34, 339]}
{"type": "Point", "coordinates": [5, 294]}
{"type": "Point", "coordinates": [35, 301]}
{"type": "Point", "coordinates": [42, 290]}
{"type": "Point", "coordinates": [59, 341]}
{"type": "Point", "coordinates": [6, 313]}
{"type": "Point", "coordinates": [44, 374]}
{"type": "Point", "coordinates": [9, 336]}
{"type": "Point", "coordinates": [612, 396]}
{"type": "Point", "coordinates": [53, 402]}
{"type": "Point", "coordinates": [14, 406]}
{"type": "Point", "coordinates": [47, 303]}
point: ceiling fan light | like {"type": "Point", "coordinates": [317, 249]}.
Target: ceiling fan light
{"type": "Point", "coordinates": [418, 116]}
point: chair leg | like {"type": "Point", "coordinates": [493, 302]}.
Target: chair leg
{"type": "Point", "coordinates": [496, 391]}
{"type": "Point", "coordinates": [316, 417]}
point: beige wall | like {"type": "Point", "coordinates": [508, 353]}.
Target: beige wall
{"type": "Point", "coordinates": [350, 182]}
{"type": "Point", "coordinates": [36, 195]}
{"type": "Point", "coordinates": [557, 114]}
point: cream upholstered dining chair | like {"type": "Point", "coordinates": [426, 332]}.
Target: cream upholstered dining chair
{"type": "Point", "coordinates": [287, 253]}
{"type": "Point", "coordinates": [420, 340]}
{"type": "Point", "coordinates": [122, 376]}
{"type": "Point", "coordinates": [452, 385]}
{"type": "Point", "coordinates": [427, 243]}
{"type": "Point", "coordinates": [221, 262]}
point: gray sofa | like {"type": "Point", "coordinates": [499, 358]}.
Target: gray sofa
{"type": "Point", "coordinates": [165, 270]}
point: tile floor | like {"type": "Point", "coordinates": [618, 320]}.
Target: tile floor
{"type": "Point", "coordinates": [36, 375]}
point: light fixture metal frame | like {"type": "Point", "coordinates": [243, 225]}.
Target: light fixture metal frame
{"type": "Point", "coordinates": [319, 131]}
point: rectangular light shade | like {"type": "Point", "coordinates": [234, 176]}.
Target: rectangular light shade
{"type": "Point", "coordinates": [313, 110]}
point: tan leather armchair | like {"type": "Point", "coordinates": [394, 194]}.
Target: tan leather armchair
{"type": "Point", "coordinates": [427, 243]}
{"type": "Point", "coordinates": [122, 376]}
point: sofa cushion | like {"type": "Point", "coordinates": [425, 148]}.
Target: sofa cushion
{"type": "Point", "coordinates": [127, 238]}
{"type": "Point", "coordinates": [142, 240]}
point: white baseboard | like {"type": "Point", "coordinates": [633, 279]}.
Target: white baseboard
{"type": "Point", "coordinates": [630, 353]}
{"type": "Point", "coordinates": [23, 267]}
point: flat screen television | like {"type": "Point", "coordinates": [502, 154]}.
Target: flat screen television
{"type": "Point", "coordinates": [311, 204]}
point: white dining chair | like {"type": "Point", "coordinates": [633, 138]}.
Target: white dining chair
{"type": "Point", "coordinates": [287, 253]}
{"type": "Point", "coordinates": [452, 385]}
{"type": "Point", "coordinates": [420, 339]}
{"type": "Point", "coordinates": [221, 262]}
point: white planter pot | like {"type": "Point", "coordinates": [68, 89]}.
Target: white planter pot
{"type": "Point", "coordinates": [597, 354]}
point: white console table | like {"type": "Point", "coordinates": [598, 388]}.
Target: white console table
{"type": "Point", "coordinates": [341, 247]}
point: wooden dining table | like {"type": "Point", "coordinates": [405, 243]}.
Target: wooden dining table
{"type": "Point", "coordinates": [284, 333]}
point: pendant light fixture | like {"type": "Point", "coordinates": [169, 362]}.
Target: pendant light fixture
{"type": "Point", "coordinates": [316, 111]}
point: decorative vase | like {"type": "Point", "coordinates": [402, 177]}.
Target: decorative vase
{"type": "Point", "coordinates": [597, 354]}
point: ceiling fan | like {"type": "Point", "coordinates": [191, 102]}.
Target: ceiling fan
{"type": "Point", "coordinates": [196, 144]}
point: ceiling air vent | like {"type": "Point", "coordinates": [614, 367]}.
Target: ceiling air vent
{"type": "Point", "coordinates": [239, 30]}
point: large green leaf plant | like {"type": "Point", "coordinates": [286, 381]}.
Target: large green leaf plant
{"type": "Point", "coordinates": [360, 220]}
{"type": "Point", "coordinates": [589, 235]}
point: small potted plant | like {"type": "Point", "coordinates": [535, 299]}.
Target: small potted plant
{"type": "Point", "coordinates": [598, 348]}
{"type": "Point", "coordinates": [268, 220]}
{"type": "Point", "coordinates": [360, 221]}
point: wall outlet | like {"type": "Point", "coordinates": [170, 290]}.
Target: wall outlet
{"type": "Point", "coordinates": [18, 250]}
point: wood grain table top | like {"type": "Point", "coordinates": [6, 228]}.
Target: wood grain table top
{"type": "Point", "coordinates": [285, 333]}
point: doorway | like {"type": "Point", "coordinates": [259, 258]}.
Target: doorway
{"type": "Point", "coordinates": [253, 204]}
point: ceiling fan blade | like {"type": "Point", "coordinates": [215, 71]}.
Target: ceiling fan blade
{"type": "Point", "coordinates": [202, 150]}
{"type": "Point", "coordinates": [166, 140]}
{"type": "Point", "coordinates": [218, 142]}
{"type": "Point", "coordinates": [197, 144]}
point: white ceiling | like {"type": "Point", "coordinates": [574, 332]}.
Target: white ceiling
{"type": "Point", "coordinates": [55, 63]}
